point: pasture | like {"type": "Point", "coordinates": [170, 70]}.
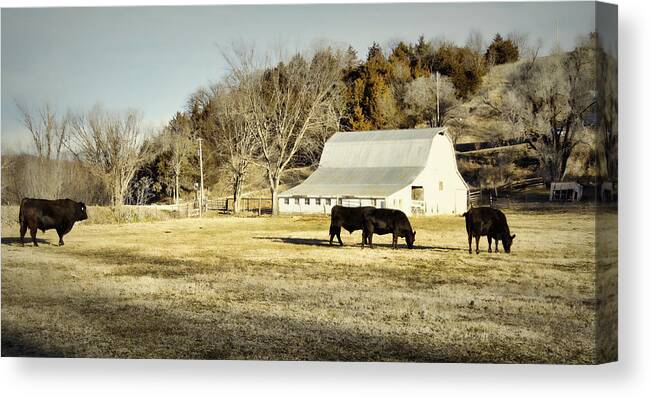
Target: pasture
{"type": "Point", "coordinates": [271, 288]}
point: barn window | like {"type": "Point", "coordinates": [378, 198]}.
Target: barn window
{"type": "Point", "coordinates": [328, 201]}
{"type": "Point", "coordinates": [286, 201]}
{"type": "Point", "coordinates": [317, 201]}
{"type": "Point", "coordinates": [307, 201]}
{"type": "Point", "coordinates": [296, 201]}
{"type": "Point", "coordinates": [440, 185]}
{"type": "Point", "coordinates": [417, 193]}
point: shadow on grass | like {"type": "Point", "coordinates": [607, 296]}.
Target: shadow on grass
{"type": "Point", "coordinates": [15, 345]}
{"type": "Point", "coordinates": [146, 330]}
{"type": "Point", "coordinates": [132, 263]}
{"type": "Point", "coordinates": [15, 241]}
{"type": "Point", "coordinates": [297, 241]}
{"type": "Point", "coordinates": [326, 243]}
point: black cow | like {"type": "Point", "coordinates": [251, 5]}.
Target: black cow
{"type": "Point", "coordinates": [60, 214]}
{"type": "Point", "coordinates": [486, 221]}
{"type": "Point", "coordinates": [387, 221]}
{"type": "Point", "coordinates": [350, 218]}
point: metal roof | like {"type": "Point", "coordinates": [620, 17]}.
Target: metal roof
{"type": "Point", "coordinates": [368, 164]}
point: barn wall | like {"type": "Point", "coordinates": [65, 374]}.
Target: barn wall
{"type": "Point", "coordinates": [303, 207]}
{"type": "Point", "coordinates": [453, 198]}
{"type": "Point", "coordinates": [324, 208]}
{"type": "Point", "coordinates": [400, 200]}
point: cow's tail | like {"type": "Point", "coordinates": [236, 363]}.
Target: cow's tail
{"type": "Point", "coordinates": [20, 210]}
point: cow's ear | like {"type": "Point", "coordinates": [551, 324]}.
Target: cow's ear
{"type": "Point", "coordinates": [512, 236]}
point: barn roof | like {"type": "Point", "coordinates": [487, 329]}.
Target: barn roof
{"type": "Point", "coordinates": [368, 164]}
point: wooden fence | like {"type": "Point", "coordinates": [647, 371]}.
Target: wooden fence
{"type": "Point", "coordinates": [503, 195]}
{"type": "Point", "coordinates": [257, 206]}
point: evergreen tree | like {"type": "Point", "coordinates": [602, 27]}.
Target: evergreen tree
{"type": "Point", "coordinates": [501, 51]}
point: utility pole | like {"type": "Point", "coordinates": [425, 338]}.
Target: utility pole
{"type": "Point", "coordinates": [438, 118]}
{"type": "Point", "coordinates": [201, 184]}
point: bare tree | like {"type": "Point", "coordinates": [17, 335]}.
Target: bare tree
{"type": "Point", "coordinates": [287, 104]}
{"type": "Point", "coordinates": [141, 191]}
{"type": "Point", "coordinates": [177, 139]}
{"type": "Point", "coordinates": [234, 139]}
{"type": "Point", "coordinates": [420, 100]}
{"type": "Point", "coordinates": [546, 100]}
{"type": "Point", "coordinates": [49, 131]}
{"type": "Point", "coordinates": [607, 107]}
{"type": "Point", "coordinates": [112, 145]}
{"type": "Point", "coordinates": [520, 40]}
{"type": "Point", "coordinates": [477, 44]}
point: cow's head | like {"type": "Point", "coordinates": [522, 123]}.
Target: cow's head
{"type": "Point", "coordinates": [81, 212]}
{"type": "Point", "coordinates": [410, 237]}
{"type": "Point", "coordinates": [507, 242]}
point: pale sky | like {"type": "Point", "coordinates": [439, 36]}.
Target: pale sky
{"type": "Point", "coordinates": [153, 58]}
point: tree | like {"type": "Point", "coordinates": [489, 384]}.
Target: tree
{"type": "Point", "coordinates": [49, 134]}
{"type": "Point", "coordinates": [287, 104]}
{"type": "Point", "coordinates": [234, 137]}
{"type": "Point", "coordinates": [501, 51]}
{"type": "Point", "coordinates": [520, 41]}
{"type": "Point", "coordinates": [423, 52]}
{"type": "Point", "coordinates": [112, 145]}
{"type": "Point", "coordinates": [179, 143]}
{"type": "Point", "coordinates": [49, 131]}
{"type": "Point", "coordinates": [460, 64]}
{"type": "Point", "coordinates": [371, 100]}
{"type": "Point", "coordinates": [546, 100]}
{"type": "Point", "coordinates": [607, 108]}
{"type": "Point", "coordinates": [476, 44]}
{"type": "Point", "coordinates": [420, 100]}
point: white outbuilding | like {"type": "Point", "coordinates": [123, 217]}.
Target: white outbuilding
{"type": "Point", "coordinates": [411, 170]}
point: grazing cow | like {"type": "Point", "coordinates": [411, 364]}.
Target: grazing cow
{"type": "Point", "coordinates": [486, 221]}
{"type": "Point", "coordinates": [350, 218]}
{"type": "Point", "coordinates": [387, 221]}
{"type": "Point", "coordinates": [45, 214]}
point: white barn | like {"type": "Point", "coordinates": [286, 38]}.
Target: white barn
{"type": "Point", "coordinates": [411, 170]}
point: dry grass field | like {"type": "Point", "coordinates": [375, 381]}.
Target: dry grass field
{"type": "Point", "coordinates": [272, 288]}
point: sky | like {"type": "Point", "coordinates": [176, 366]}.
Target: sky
{"type": "Point", "coordinates": [153, 58]}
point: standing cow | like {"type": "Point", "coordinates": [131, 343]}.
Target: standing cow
{"type": "Point", "coordinates": [60, 214]}
{"type": "Point", "coordinates": [489, 222]}
{"type": "Point", "coordinates": [387, 221]}
{"type": "Point", "coordinates": [350, 218]}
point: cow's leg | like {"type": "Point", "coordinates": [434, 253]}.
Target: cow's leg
{"type": "Point", "coordinates": [364, 237]}
{"type": "Point", "coordinates": [32, 233]}
{"type": "Point", "coordinates": [470, 243]}
{"type": "Point", "coordinates": [370, 239]}
{"type": "Point", "coordinates": [477, 244]}
{"type": "Point", "coordinates": [490, 241]}
{"type": "Point", "coordinates": [60, 233]}
{"type": "Point", "coordinates": [497, 243]}
{"type": "Point", "coordinates": [335, 231]}
{"type": "Point", "coordinates": [23, 230]}
{"type": "Point", "coordinates": [394, 244]}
